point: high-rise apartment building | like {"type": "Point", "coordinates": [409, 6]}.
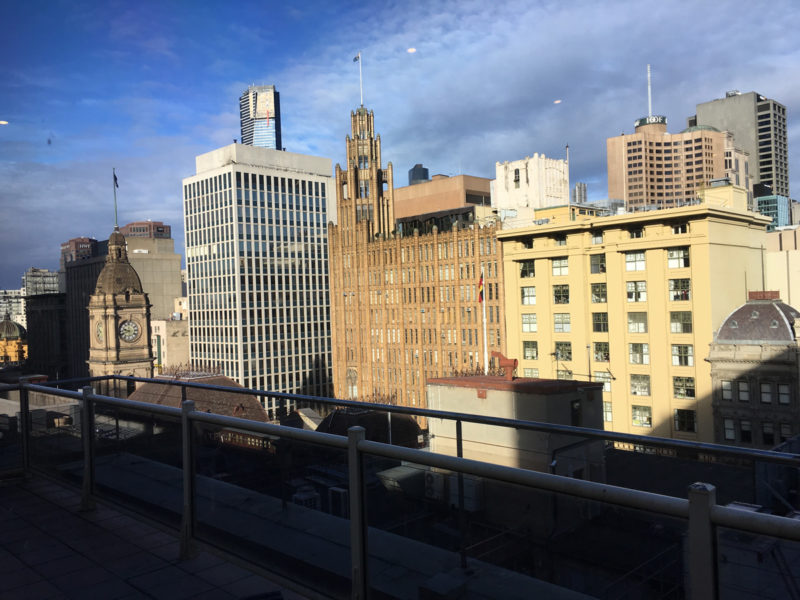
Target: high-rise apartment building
{"type": "Point", "coordinates": [260, 115]}
{"type": "Point", "coordinates": [405, 292]}
{"type": "Point", "coordinates": [758, 125]}
{"type": "Point", "coordinates": [523, 186]}
{"type": "Point", "coordinates": [655, 169]}
{"type": "Point", "coordinates": [579, 193]}
{"type": "Point", "coordinates": [633, 300]}
{"type": "Point", "coordinates": [257, 268]}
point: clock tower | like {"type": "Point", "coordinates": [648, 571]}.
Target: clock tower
{"type": "Point", "coordinates": [119, 318]}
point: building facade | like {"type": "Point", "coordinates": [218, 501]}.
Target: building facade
{"type": "Point", "coordinates": [523, 186]}
{"type": "Point", "coordinates": [257, 268]}
{"type": "Point", "coordinates": [442, 193]}
{"type": "Point", "coordinates": [579, 193]}
{"type": "Point", "coordinates": [260, 117]}
{"type": "Point", "coordinates": [632, 300]}
{"type": "Point", "coordinates": [758, 125]}
{"type": "Point", "coordinates": [146, 229]}
{"type": "Point", "coordinates": [405, 301]}
{"type": "Point", "coordinates": [778, 208]}
{"type": "Point", "coordinates": [159, 268]}
{"type": "Point", "coordinates": [655, 169]}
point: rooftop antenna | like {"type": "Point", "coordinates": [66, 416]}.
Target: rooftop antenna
{"type": "Point", "coordinates": [649, 94]}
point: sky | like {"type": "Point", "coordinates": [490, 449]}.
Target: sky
{"type": "Point", "coordinates": [146, 86]}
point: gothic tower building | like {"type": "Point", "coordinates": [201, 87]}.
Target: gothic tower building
{"type": "Point", "coordinates": [119, 318]}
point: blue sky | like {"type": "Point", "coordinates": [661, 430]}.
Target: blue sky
{"type": "Point", "coordinates": [146, 86]}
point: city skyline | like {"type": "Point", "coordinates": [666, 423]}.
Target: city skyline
{"type": "Point", "coordinates": [145, 89]}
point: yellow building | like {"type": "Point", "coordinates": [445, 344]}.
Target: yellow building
{"type": "Point", "coordinates": [13, 343]}
{"type": "Point", "coordinates": [632, 300]}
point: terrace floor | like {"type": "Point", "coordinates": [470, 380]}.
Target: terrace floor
{"type": "Point", "coordinates": [49, 548]}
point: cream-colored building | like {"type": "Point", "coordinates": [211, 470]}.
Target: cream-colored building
{"type": "Point", "coordinates": [523, 186]}
{"type": "Point", "coordinates": [655, 169]}
{"type": "Point", "coordinates": [782, 261]}
{"type": "Point", "coordinates": [633, 300]}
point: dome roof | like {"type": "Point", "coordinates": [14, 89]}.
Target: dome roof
{"type": "Point", "coordinates": [118, 276]}
{"type": "Point", "coordinates": [759, 321]}
{"type": "Point", "coordinates": [699, 128]}
{"type": "Point", "coordinates": [11, 330]}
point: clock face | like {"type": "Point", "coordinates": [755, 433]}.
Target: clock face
{"type": "Point", "coordinates": [129, 330]}
{"type": "Point", "coordinates": [100, 331]}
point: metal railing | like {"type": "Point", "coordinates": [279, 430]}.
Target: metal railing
{"type": "Point", "coordinates": [700, 510]}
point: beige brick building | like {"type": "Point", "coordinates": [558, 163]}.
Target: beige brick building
{"type": "Point", "coordinates": [404, 304]}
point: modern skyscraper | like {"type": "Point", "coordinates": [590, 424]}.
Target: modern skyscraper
{"type": "Point", "coordinates": [257, 268]}
{"type": "Point", "coordinates": [579, 193]}
{"type": "Point", "coordinates": [260, 114]}
{"type": "Point", "coordinates": [758, 125]}
{"type": "Point", "coordinates": [417, 174]}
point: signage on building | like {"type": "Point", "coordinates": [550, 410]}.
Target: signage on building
{"type": "Point", "coordinates": [651, 120]}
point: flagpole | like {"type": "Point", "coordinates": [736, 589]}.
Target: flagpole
{"type": "Point", "coordinates": [114, 185]}
{"type": "Point", "coordinates": [485, 343]}
{"type": "Point", "coordinates": [360, 80]}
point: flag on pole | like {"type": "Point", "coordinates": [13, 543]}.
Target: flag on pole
{"type": "Point", "coordinates": [357, 57]}
{"type": "Point", "coordinates": [480, 289]}
{"type": "Point", "coordinates": [116, 183]}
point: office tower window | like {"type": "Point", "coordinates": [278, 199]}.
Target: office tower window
{"type": "Point", "coordinates": [636, 233]}
{"type": "Point", "coordinates": [680, 228]}
{"type": "Point", "coordinates": [730, 430]}
{"type": "Point", "coordinates": [784, 393]}
{"type": "Point", "coordinates": [564, 374]}
{"type": "Point", "coordinates": [745, 431]}
{"type": "Point", "coordinates": [597, 237]}
{"type": "Point", "coordinates": [640, 384]}
{"type": "Point", "coordinates": [560, 266]}
{"type": "Point", "coordinates": [634, 261]}
{"type": "Point", "coordinates": [560, 294]}
{"type": "Point", "coordinates": [599, 322]}
{"type": "Point", "coordinates": [597, 263]}
{"type": "Point", "coordinates": [680, 322]}
{"type": "Point", "coordinates": [561, 240]}
{"type": "Point", "coordinates": [605, 377]}
{"type": "Point", "coordinates": [599, 293]}
{"type": "Point", "coordinates": [637, 291]}
{"type": "Point", "coordinates": [530, 350]}
{"type": "Point", "coordinates": [642, 416]}
{"type": "Point", "coordinates": [768, 433]}
{"type": "Point", "coordinates": [601, 352]}
{"type": "Point", "coordinates": [682, 355]}
{"type": "Point", "coordinates": [639, 354]}
{"type": "Point", "coordinates": [563, 351]}
{"type": "Point", "coordinates": [678, 258]}
{"type": "Point", "coordinates": [526, 269]}
{"type": "Point", "coordinates": [679, 290]}
{"type": "Point", "coordinates": [683, 387]}
{"type": "Point", "coordinates": [766, 392]}
{"type": "Point", "coordinates": [685, 420]}
{"type": "Point", "coordinates": [607, 412]}
{"type": "Point", "coordinates": [561, 322]}
{"type": "Point", "coordinates": [637, 322]}
{"type": "Point", "coordinates": [726, 388]}
{"type": "Point", "coordinates": [529, 323]}
{"type": "Point", "coordinates": [528, 295]}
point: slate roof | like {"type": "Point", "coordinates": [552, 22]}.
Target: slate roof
{"type": "Point", "coordinates": [759, 321]}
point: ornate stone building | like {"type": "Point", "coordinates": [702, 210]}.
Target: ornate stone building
{"type": "Point", "coordinates": [404, 296]}
{"type": "Point", "coordinates": [119, 318]}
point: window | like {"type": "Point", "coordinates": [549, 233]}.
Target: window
{"type": "Point", "coordinates": [682, 355]}
{"type": "Point", "coordinates": [641, 416]}
{"type": "Point", "coordinates": [727, 390]}
{"type": "Point", "coordinates": [607, 412]}
{"type": "Point", "coordinates": [680, 322]}
{"type": "Point", "coordinates": [637, 291]}
{"type": "Point", "coordinates": [563, 351]}
{"type": "Point", "coordinates": [784, 393]}
{"type": "Point", "coordinates": [597, 237]}
{"type": "Point", "coordinates": [601, 351]}
{"type": "Point", "coordinates": [563, 374]}
{"type": "Point", "coordinates": [730, 432]}
{"type": "Point", "coordinates": [634, 261]}
{"type": "Point", "coordinates": [639, 354]}
{"type": "Point", "coordinates": [599, 321]}
{"type": "Point", "coordinates": [636, 233]}
{"type": "Point", "coordinates": [744, 391]}
{"type": "Point", "coordinates": [530, 372]}
{"type": "Point", "coordinates": [680, 228]}
{"type": "Point", "coordinates": [530, 350]}
{"type": "Point", "coordinates": [745, 432]}
{"type": "Point", "coordinates": [685, 420]}
{"type": "Point", "coordinates": [599, 292]}
{"type": "Point", "coordinates": [640, 385]}
{"type": "Point", "coordinates": [597, 263]}
{"type": "Point", "coordinates": [637, 322]}
{"type": "Point", "coordinates": [561, 322]}
{"type": "Point", "coordinates": [560, 294]}
{"type": "Point", "coordinates": [528, 295]}
{"type": "Point", "coordinates": [605, 377]}
{"type": "Point", "coordinates": [679, 290]}
{"type": "Point", "coordinates": [526, 269]}
{"type": "Point", "coordinates": [561, 240]}
{"type": "Point", "coordinates": [786, 432]}
{"type": "Point", "coordinates": [678, 258]}
{"type": "Point", "coordinates": [766, 392]}
{"type": "Point", "coordinates": [768, 434]}
{"type": "Point", "coordinates": [683, 387]}
{"type": "Point", "coordinates": [560, 266]}
{"type": "Point", "coordinates": [529, 323]}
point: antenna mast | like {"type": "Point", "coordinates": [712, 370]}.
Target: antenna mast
{"type": "Point", "coordinates": [649, 94]}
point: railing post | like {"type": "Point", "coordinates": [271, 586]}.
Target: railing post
{"type": "Point", "coordinates": [462, 517]}
{"type": "Point", "coordinates": [358, 516]}
{"type": "Point", "coordinates": [87, 437]}
{"type": "Point", "coordinates": [188, 515]}
{"type": "Point", "coordinates": [25, 423]}
{"type": "Point", "coordinates": [702, 544]}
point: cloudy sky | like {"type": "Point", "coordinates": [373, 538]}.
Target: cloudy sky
{"type": "Point", "coordinates": [146, 86]}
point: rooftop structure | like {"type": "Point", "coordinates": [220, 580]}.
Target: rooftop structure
{"type": "Point", "coordinates": [260, 117]}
